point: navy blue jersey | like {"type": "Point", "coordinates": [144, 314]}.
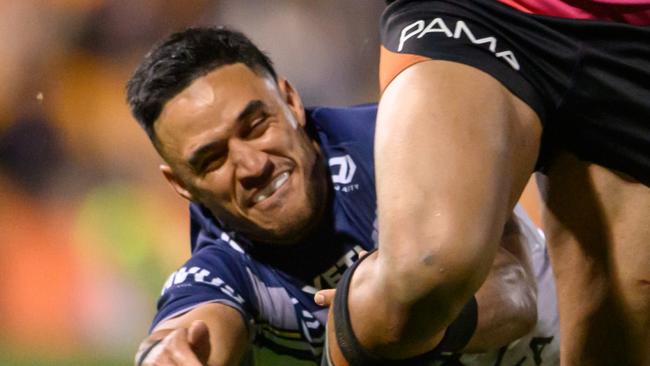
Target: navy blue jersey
{"type": "Point", "coordinates": [273, 287]}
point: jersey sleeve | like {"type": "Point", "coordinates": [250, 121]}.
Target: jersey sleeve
{"type": "Point", "coordinates": [212, 275]}
{"type": "Point", "coordinates": [417, 31]}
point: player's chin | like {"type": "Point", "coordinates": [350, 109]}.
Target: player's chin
{"type": "Point", "coordinates": [276, 238]}
{"type": "Point", "coordinates": [285, 230]}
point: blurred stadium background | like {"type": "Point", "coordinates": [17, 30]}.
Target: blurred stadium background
{"type": "Point", "coordinates": [88, 229]}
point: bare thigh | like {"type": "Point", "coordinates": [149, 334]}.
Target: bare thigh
{"type": "Point", "coordinates": [598, 226]}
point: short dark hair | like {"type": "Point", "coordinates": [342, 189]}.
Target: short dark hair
{"type": "Point", "coordinates": [176, 61]}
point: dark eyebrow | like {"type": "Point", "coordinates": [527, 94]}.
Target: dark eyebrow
{"type": "Point", "coordinates": [251, 108]}
{"type": "Point", "coordinates": [197, 156]}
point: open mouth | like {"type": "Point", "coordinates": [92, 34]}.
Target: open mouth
{"type": "Point", "coordinates": [270, 188]}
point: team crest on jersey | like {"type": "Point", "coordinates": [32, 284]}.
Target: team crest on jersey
{"type": "Point", "coordinates": [343, 169]}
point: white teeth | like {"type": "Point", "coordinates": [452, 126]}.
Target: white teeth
{"type": "Point", "coordinates": [271, 187]}
{"type": "Point", "coordinates": [279, 181]}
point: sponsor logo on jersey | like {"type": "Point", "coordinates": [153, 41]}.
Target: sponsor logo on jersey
{"type": "Point", "coordinates": [343, 169]}
{"type": "Point", "coordinates": [420, 28]}
{"type": "Point", "coordinates": [331, 277]}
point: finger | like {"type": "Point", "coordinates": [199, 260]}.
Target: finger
{"type": "Point", "coordinates": [162, 359]}
{"type": "Point", "coordinates": [324, 297]}
{"type": "Point", "coordinates": [179, 350]}
{"type": "Point", "coordinates": [199, 339]}
{"type": "Point", "coordinates": [152, 355]}
{"type": "Point", "coordinates": [160, 352]}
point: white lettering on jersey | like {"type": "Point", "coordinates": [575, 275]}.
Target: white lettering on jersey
{"type": "Point", "coordinates": [200, 275]}
{"type": "Point", "coordinates": [225, 237]}
{"type": "Point", "coordinates": [438, 25]}
{"type": "Point", "coordinates": [332, 275]}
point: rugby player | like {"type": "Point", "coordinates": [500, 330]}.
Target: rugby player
{"type": "Point", "coordinates": [283, 203]}
{"type": "Point", "coordinates": [476, 95]}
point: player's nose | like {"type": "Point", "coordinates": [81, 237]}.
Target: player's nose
{"type": "Point", "coordinates": [253, 167]}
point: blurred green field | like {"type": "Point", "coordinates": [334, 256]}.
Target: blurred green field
{"type": "Point", "coordinates": [8, 357]}
{"type": "Point", "coordinates": [78, 360]}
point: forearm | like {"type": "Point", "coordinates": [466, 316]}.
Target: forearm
{"type": "Point", "coordinates": [148, 344]}
{"type": "Point", "coordinates": [508, 297]}
{"type": "Point", "coordinates": [507, 305]}
{"type": "Point", "coordinates": [222, 341]}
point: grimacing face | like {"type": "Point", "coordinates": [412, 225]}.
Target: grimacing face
{"type": "Point", "coordinates": [235, 141]}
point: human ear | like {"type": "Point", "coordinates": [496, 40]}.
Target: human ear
{"type": "Point", "coordinates": [175, 182]}
{"type": "Point", "coordinates": [292, 98]}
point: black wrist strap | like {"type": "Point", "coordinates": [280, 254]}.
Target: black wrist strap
{"type": "Point", "coordinates": [456, 336]}
{"type": "Point", "coordinates": [146, 352]}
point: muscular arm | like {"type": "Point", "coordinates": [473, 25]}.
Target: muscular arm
{"type": "Point", "coordinates": [507, 300]}
{"type": "Point", "coordinates": [453, 151]}
{"type": "Point", "coordinates": [222, 340]}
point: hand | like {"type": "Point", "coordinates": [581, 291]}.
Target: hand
{"type": "Point", "coordinates": [182, 346]}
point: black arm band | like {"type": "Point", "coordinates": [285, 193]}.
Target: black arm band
{"type": "Point", "coordinates": [456, 336]}
{"type": "Point", "coordinates": [347, 341]}
{"type": "Point", "coordinates": [461, 330]}
{"type": "Point", "coordinates": [146, 352]}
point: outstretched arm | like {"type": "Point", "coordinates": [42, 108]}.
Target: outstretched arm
{"type": "Point", "coordinates": [212, 334]}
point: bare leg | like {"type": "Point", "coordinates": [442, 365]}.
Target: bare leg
{"type": "Point", "coordinates": [598, 227]}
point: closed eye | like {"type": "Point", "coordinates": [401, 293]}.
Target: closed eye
{"type": "Point", "coordinates": [208, 157]}
{"type": "Point", "coordinates": [212, 163]}
{"type": "Point", "coordinates": [257, 127]}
